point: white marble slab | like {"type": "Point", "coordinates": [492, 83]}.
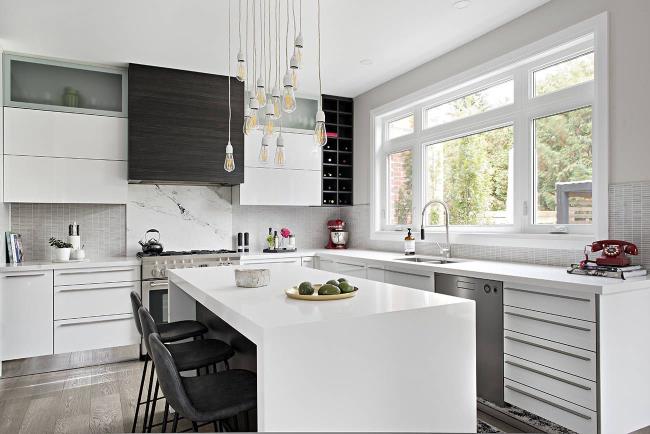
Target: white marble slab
{"type": "Point", "coordinates": [188, 217]}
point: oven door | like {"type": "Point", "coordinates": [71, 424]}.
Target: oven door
{"type": "Point", "coordinates": [154, 298]}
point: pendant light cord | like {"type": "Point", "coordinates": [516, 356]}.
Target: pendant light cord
{"type": "Point", "coordinates": [228, 59]}
{"type": "Point", "coordinates": [320, 83]}
{"type": "Point", "coordinates": [286, 42]}
{"type": "Point", "coordinates": [254, 50]}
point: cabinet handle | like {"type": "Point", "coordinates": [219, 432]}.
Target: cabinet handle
{"type": "Point", "coordinates": [548, 321]}
{"type": "Point", "coordinates": [92, 321]}
{"type": "Point", "coordinates": [64, 289]}
{"type": "Point", "coordinates": [546, 374]}
{"type": "Point", "coordinates": [66, 273]}
{"type": "Point", "coordinates": [551, 403]}
{"type": "Point", "coordinates": [567, 297]}
{"type": "Point", "coordinates": [24, 275]}
{"type": "Point", "coordinates": [555, 350]}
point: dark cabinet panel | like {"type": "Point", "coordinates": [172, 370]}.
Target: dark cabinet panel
{"type": "Point", "coordinates": [178, 126]}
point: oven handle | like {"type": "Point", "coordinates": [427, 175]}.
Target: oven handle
{"type": "Point", "coordinates": [156, 284]}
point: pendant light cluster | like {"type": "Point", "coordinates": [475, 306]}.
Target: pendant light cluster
{"type": "Point", "coordinates": [271, 71]}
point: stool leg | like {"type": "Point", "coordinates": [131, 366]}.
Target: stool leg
{"type": "Point", "coordinates": [175, 422]}
{"type": "Point", "coordinates": [138, 402]}
{"type": "Point", "coordinates": [153, 406]}
{"type": "Point", "coordinates": [225, 362]}
{"type": "Point", "coordinates": [195, 427]}
{"type": "Point", "coordinates": [146, 408]}
{"type": "Point", "coordinates": [165, 416]}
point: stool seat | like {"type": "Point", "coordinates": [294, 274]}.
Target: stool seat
{"type": "Point", "coordinates": [179, 330]}
{"type": "Point", "coordinates": [197, 354]}
{"type": "Point", "coordinates": [222, 395]}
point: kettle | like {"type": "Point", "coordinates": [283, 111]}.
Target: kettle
{"type": "Point", "coordinates": [151, 243]}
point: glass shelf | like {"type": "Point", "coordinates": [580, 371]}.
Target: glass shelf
{"type": "Point", "coordinates": [45, 84]}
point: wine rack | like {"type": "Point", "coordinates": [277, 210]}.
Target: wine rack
{"type": "Point", "coordinates": [337, 153]}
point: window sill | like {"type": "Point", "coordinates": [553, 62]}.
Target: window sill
{"type": "Point", "coordinates": [501, 239]}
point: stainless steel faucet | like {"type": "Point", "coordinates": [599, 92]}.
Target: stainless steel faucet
{"type": "Point", "coordinates": [444, 252]}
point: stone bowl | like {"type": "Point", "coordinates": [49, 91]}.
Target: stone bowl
{"type": "Point", "coordinates": [253, 278]}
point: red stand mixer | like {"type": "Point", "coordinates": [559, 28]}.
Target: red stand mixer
{"type": "Point", "coordinates": [338, 238]}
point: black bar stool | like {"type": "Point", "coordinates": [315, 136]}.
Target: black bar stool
{"type": "Point", "coordinates": [169, 332]}
{"type": "Point", "coordinates": [213, 398]}
{"type": "Point", "coordinates": [187, 356]}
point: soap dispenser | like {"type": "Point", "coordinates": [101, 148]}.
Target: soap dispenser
{"type": "Point", "coordinates": [409, 244]}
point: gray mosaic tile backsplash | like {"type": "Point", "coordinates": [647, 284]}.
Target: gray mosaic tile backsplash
{"type": "Point", "coordinates": [102, 227]}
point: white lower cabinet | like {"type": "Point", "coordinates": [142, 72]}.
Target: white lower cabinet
{"type": "Point", "coordinates": [94, 299]}
{"type": "Point", "coordinates": [82, 334]}
{"type": "Point", "coordinates": [326, 264]}
{"type": "Point", "coordinates": [353, 270]}
{"type": "Point", "coordinates": [417, 281]}
{"type": "Point", "coordinates": [308, 261]}
{"type": "Point", "coordinates": [26, 314]}
{"type": "Point", "coordinates": [376, 274]}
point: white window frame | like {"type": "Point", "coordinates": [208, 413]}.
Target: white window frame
{"type": "Point", "coordinates": [590, 35]}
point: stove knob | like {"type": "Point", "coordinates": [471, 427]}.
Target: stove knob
{"type": "Point", "coordinates": [487, 288]}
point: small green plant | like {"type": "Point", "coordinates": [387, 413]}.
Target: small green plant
{"type": "Point", "coordinates": [55, 242]}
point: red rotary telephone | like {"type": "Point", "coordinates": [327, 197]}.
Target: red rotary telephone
{"type": "Point", "coordinates": [614, 252]}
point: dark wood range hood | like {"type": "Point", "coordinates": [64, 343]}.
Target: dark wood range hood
{"type": "Point", "coordinates": [178, 127]}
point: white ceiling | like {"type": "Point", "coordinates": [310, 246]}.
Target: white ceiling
{"type": "Point", "coordinates": [191, 34]}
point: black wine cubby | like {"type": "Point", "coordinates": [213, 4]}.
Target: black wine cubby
{"type": "Point", "coordinates": [337, 153]}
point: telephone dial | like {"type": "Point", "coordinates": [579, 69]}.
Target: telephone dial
{"type": "Point", "coordinates": [614, 252]}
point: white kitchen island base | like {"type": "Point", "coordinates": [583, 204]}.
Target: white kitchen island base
{"type": "Point", "coordinates": [389, 359]}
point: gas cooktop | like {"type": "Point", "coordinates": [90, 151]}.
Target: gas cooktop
{"type": "Point", "coordinates": [185, 253]}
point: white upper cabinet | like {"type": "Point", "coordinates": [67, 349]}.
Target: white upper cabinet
{"type": "Point", "coordinates": [297, 183]}
{"type": "Point", "coordinates": [42, 133]}
{"type": "Point", "coordinates": [65, 132]}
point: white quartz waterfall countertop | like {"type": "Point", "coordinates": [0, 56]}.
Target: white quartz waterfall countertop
{"type": "Point", "coordinates": [255, 310]}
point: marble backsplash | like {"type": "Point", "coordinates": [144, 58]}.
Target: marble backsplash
{"type": "Point", "coordinates": [188, 217]}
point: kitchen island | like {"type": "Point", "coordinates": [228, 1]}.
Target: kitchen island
{"type": "Point", "coordinates": [389, 359]}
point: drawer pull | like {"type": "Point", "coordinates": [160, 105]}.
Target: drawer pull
{"type": "Point", "coordinates": [551, 403]}
{"type": "Point", "coordinates": [554, 377]}
{"type": "Point", "coordinates": [69, 273]}
{"type": "Point", "coordinates": [66, 289]}
{"type": "Point", "coordinates": [92, 321]}
{"type": "Point", "coordinates": [568, 297]}
{"type": "Point", "coordinates": [24, 275]}
{"type": "Point", "coordinates": [548, 321]}
{"type": "Point", "coordinates": [566, 353]}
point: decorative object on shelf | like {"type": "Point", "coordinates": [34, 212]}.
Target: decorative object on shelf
{"type": "Point", "coordinates": [14, 248]}
{"type": "Point", "coordinates": [70, 97]}
{"type": "Point", "coordinates": [229, 162]}
{"type": "Point", "coordinates": [252, 278]}
{"type": "Point", "coordinates": [62, 249]}
{"type": "Point", "coordinates": [270, 241]}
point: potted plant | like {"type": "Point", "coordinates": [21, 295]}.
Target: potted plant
{"type": "Point", "coordinates": [63, 249]}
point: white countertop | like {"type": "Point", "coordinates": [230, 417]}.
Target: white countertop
{"type": "Point", "coordinates": [258, 309]}
{"type": "Point", "coordinates": [119, 261]}
{"type": "Point", "coordinates": [504, 271]}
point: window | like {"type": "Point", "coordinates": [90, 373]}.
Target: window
{"type": "Point", "coordinates": [473, 175]}
{"type": "Point", "coordinates": [479, 102]}
{"type": "Point", "coordinates": [400, 173]}
{"type": "Point", "coordinates": [515, 146]}
{"type": "Point", "coordinates": [401, 127]}
{"type": "Point", "coordinates": [563, 162]}
{"type": "Point", "coordinates": [565, 74]}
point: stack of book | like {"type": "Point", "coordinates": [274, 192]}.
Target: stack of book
{"type": "Point", "coordinates": [593, 269]}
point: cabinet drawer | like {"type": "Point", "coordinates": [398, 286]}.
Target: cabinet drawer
{"type": "Point", "coordinates": [571, 304]}
{"type": "Point", "coordinates": [79, 301]}
{"type": "Point", "coordinates": [569, 331]}
{"type": "Point", "coordinates": [308, 262]}
{"type": "Point", "coordinates": [376, 274]}
{"type": "Point", "coordinates": [409, 280]}
{"type": "Point", "coordinates": [562, 412]}
{"type": "Point", "coordinates": [572, 360]}
{"type": "Point", "coordinates": [354, 270]}
{"type": "Point", "coordinates": [72, 335]}
{"type": "Point", "coordinates": [81, 276]}
{"type": "Point", "coordinates": [565, 386]}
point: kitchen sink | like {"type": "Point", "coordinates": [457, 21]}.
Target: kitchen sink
{"type": "Point", "coordinates": [426, 260]}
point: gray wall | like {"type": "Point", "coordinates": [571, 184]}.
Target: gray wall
{"type": "Point", "coordinates": [629, 59]}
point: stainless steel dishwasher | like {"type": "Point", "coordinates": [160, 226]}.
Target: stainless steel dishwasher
{"type": "Point", "coordinates": [488, 295]}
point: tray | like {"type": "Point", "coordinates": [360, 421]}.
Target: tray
{"type": "Point", "coordinates": [279, 250]}
{"type": "Point", "coordinates": [293, 293]}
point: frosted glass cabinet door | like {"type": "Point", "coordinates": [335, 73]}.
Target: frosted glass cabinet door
{"type": "Point", "coordinates": [44, 84]}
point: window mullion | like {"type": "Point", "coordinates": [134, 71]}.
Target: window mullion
{"type": "Point", "coordinates": [522, 148]}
